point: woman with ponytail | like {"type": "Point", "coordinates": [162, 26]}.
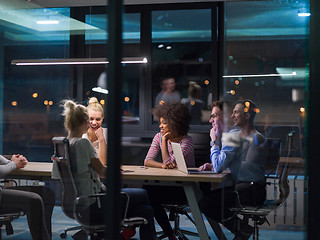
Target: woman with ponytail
{"type": "Point", "coordinates": [88, 169]}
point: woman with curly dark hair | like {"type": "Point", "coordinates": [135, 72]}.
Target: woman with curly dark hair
{"type": "Point", "coordinates": [174, 119]}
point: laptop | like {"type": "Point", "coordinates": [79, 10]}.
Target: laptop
{"type": "Point", "coordinates": [181, 163]}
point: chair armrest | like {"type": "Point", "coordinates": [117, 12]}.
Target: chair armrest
{"type": "Point", "coordinates": [134, 221]}
{"type": "Point", "coordinates": [99, 195]}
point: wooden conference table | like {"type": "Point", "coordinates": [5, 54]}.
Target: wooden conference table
{"type": "Point", "coordinates": [292, 161]}
{"type": "Point", "coordinates": [42, 171]}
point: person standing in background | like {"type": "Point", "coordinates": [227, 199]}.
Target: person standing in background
{"type": "Point", "coordinates": [170, 94]}
{"type": "Point", "coordinates": [193, 102]}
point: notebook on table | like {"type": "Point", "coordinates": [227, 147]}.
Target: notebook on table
{"type": "Point", "coordinates": [181, 163]}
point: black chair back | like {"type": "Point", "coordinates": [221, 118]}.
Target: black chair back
{"type": "Point", "coordinates": [272, 149]}
{"type": "Point", "coordinates": [283, 170]}
{"type": "Point", "coordinates": [61, 158]}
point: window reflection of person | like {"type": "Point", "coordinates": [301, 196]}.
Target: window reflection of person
{"type": "Point", "coordinates": [193, 102]}
{"type": "Point", "coordinates": [170, 94]}
{"type": "Point", "coordinates": [246, 163]}
{"type": "Point", "coordinates": [97, 134]}
{"type": "Point", "coordinates": [163, 89]}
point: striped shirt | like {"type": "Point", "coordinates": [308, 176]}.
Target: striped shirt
{"type": "Point", "coordinates": [186, 146]}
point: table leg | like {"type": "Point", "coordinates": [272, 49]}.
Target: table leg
{"type": "Point", "coordinates": [190, 189]}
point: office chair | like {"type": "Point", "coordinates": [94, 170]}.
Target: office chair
{"type": "Point", "coordinates": [71, 202]}
{"type": "Point", "coordinates": [8, 215]}
{"type": "Point", "coordinates": [174, 215]}
{"type": "Point", "coordinates": [259, 214]}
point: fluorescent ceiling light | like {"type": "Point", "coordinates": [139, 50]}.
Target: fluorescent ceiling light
{"type": "Point", "coordinates": [301, 73]}
{"type": "Point", "coordinates": [304, 14]}
{"type": "Point", "coordinates": [27, 15]}
{"type": "Point", "coordinates": [47, 22]}
{"type": "Point", "coordinates": [100, 90]}
{"type": "Point", "coordinates": [74, 61]}
{"type": "Point", "coordinates": [261, 75]}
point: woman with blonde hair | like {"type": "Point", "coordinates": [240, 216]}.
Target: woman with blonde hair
{"type": "Point", "coordinates": [97, 134]}
{"type": "Point", "coordinates": [88, 168]}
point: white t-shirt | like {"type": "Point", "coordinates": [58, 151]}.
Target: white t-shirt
{"type": "Point", "coordinates": [86, 178]}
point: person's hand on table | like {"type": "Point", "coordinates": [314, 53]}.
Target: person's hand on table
{"type": "Point", "coordinates": [168, 165]}
{"type": "Point", "coordinates": [206, 167]}
{"type": "Point", "coordinates": [19, 160]}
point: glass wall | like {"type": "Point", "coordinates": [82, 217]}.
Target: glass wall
{"type": "Point", "coordinates": [96, 76]}
{"type": "Point", "coordinates": [264, 46]}
{"type": "Point", "coordinates": [182, 58]}
{"type": "Point", "coordinates": [30, 107]}
{"type": "Point", "coordinates": [266, 61]}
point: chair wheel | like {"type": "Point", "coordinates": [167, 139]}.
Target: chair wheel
{"type": "Point", "coordinates": [63, 235]}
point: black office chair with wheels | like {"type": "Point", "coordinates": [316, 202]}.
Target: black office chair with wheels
{"type": "Point", "coordinates": [71, 202]}
{"type": "Point", "coordinates": [8, 215]}
{"type": "Point", "coordinates": [258, 214]}
{"type": "Point", "coordinates": [174, 215]}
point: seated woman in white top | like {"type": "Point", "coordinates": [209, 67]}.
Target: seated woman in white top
{"type": "Point", "coordinates": [97, 134]}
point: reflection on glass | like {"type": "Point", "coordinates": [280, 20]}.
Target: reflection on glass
{"type": "Point", "coordinates": [182, 51]}
{"type": "Point", "coordinates": [27, 123]}
{"type": "Point", "coordinates": [265, 62]}
{"type": "Point", "coordinates": [99, 31]}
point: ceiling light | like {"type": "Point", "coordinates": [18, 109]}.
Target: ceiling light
{"type": "Point", "coordinates": [261, 75]}
{"type": "Point", "coordinates": [100, 90]}
{"type": "Point", "coordinates": [303, 12]}
{"type": "Point", "coordinates": [74, 61]}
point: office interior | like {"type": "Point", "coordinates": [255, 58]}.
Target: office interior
{"type": "Point", "coordinates": [258, 50]}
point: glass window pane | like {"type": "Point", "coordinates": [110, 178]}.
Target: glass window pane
{"type": "Point", "coordinates": [265, 61]}
{"type": "Point", "coordinates": [31, 114]}
{"type": "Point", "coordinates": [95, 76]}
{"type": "Point", "coordinates": [181, 50]}
{"type": "Point", "coordinates": [97, 32]}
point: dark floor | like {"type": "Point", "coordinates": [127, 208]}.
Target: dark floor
{"type": "Point", "coordinates": [60, 222]}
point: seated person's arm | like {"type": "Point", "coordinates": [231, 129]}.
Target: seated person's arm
{"type": "Point", "coordinates": [102, 146]}
{"type": "Point", "coordinates": [98, 167]}
{"type": "Point", "coordinates": [152, 155]}
{"type": "Point", "coordinates": [221, 159]}
{"type": "Point", "coordinates": [6, 166]}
